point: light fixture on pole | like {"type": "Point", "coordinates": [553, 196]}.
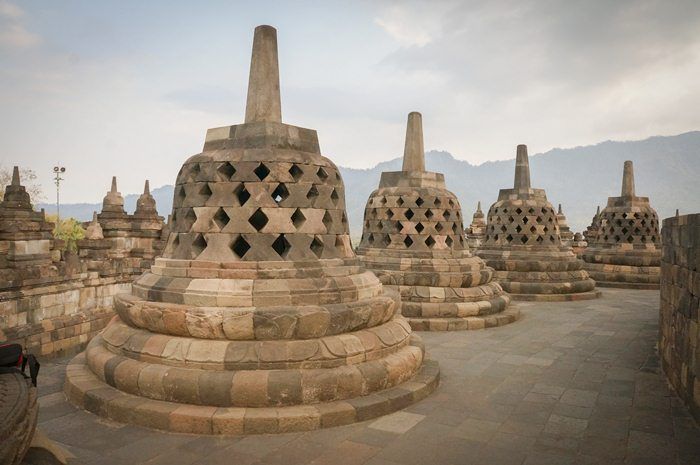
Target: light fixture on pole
{"type": "Point", "coordinates": [58, 171]}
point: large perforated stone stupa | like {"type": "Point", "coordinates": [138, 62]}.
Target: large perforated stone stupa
{"type": "Point", "coordinates": [258, 318]}
{"type": "Point", "coordinates": [523, 244]}
{"type": "Point", "coordinates": [413, 240]}
{"type": "Point", "coordinates": [626, 249]}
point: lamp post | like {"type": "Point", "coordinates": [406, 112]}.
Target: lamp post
{"type": "Point", "coordinates": [58, 171]}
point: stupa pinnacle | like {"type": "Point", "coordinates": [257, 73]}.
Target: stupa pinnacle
{"type": "Point", "coordinates": [259, 318]}
{"type": "Point", "coordinates": [413, 239]}
{"type": "Point", "coordinates": [626, 248]}
{"type": "Point", "coordinates": [524, 245]}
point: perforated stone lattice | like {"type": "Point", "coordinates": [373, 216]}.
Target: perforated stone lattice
{"type": "Point", "coordinates": [410, 221]}
{"type": "Point", "coordinates": [258, 210]}
{"type": "Point", "coordinates": [514, 224]}
{"type": "Point", "coordinates": [617, 227]}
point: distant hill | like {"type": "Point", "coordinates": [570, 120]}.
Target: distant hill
{"type": "Point", "coordinates": [667, 169]}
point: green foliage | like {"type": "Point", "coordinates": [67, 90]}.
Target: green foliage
{"type": "Point", "coordinates": [69, 230]}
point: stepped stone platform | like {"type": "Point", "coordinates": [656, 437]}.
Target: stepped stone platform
{"type": "Point", "coordinates": [413, 239]}
{"type": "Point", "coordinates": [258, 318]}
{"type": "Point", "coordinates": [569, 383]}
{"type": "Point", "coordinates": [18, 417]}
{"type": "Point", "coordinates": [626, 248]}
{"type": "Point", "coordinates": [524, 245]}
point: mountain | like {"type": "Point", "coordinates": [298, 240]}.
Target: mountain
{"type": "Point", "coordinates": [667, 170]}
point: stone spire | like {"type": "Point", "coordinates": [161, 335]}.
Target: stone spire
{"type": "Point", "coordinates": [559, 212]}
{"type": "Point", "coordinates": [264, 81]}
{"type": "Point", "coordinates": [628, 180]}
{"type": "Point", "coordinates": [94, 229]}
{"type": "Point", "coordinates": [113, 201]}
{"type": "Point", "coordinates": [146, 204]}
{"type": "Point", "coordinates": [16, 196]}
{"type": "Point", "coordinates": [522, 169]}
{"type": "Point", "coordinates": [413, 152]}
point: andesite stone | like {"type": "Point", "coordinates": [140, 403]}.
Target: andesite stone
{"type": "Point", "coordinates": [524, 245]}
{"type": "Point", "coordinates": [258, 318]}
{"type": "Point", "coordinates": [413, 239]}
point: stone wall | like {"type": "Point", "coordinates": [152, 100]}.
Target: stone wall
{"type": "Point", "coordinates": [680, 296]}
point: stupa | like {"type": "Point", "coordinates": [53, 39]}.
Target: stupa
{"type": "Point", "coordinates": [626, 250]}
{"type": "Point", "coordinates": [413, 240]}
{"type": "Point", "coordinates": [476, 232]}
{"type": "Point", "coordinates": [523, 244]}
{"type": "Point", "coordinates": [258, 318]}
{"type": "Point", "coordinates": [590, 233]}
{"type": "Point", "coordinates": [567, 236]}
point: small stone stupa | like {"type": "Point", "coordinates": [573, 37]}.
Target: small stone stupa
{"type": "Point", "coordinates": [476, 232]}
{"type": "Point", "coordinates": [523, 244]}
{"type": "Point", "coordinates": [25, 238]}
{"type": "Point", "coordinates": [567, 236]}
{"type": "Point", "coordinates": [626, 250]}
{"type": "Point", "coordinates": [259, 318]}
{"type": "Point", "coordinates": [413, 240]}
{"type": "Point", "coordinates": [590, 233]}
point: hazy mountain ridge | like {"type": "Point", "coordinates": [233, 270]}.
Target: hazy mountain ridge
{"type": "Point", "coordinates": [667, 170]}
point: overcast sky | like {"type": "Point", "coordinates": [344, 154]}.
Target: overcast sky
{"type": "Point", "coordinates": [128, 88]}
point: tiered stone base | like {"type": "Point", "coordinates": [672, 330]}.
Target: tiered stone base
{"type": "Point", "coordinates": [18, 416]}
{"type": "Point", "coordinates": [550, 275]}
{"type": "Point", "coordinates": [443, 294]}
{"type": "Point", "coordinates": [85, 389]}
{"type": "Point", "coordinates": [627, 269]}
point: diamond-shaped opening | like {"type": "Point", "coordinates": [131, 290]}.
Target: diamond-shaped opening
{"type": "Point", "coordinates": [653, 238]}
{"type": "Point", "coordinates": [511, 219]}
{"type": "Point", "coordinates": [456, 228]}
{"type": "Point", "coordinates": [335, 197]}
{"type": "Point", "coordinates": [389, 214]}
{"type": "Point", "coordinates": [370, 238]}
{"type": "Point", "coordinates": [387, 239]}
{"type": "Point", "coordinates": [447, 214]}
{"type": "Point", "coordinates": [328, 220]}
{"type": "Point", "coordinates": [337, 176]}
{"type": "Point", "coordinates": [538, 219]}
{"type": "Point", "coordinates": [495, 237]}
{"type": "Point", "coordinates": [198, 245]}
{"type": "Point", "coordinates": [451, 203]}
{"type": "Point", "coordinates": [322, 174]}
{"type": "Point", "coordinates": [624, 230]}
{"type": "Point", "coordinates": [430, 242]}
{"type": "Point", "coordinates": [523, 239]}
{"type": "Point", "coordinates": [545, 229]}
{"type": "Point", "coordinates": [398, 226]}
{"type": "Point", "coordinates": [504, 228]}
{"type": "Point", "coordinates": [531, 211]}
{"type": "Point", "coordinates": [437, 202]}
{"type": "Point", "coordinates": [448, 241]}
{"type": "Point", "coordinates": [525, 220]}
{"type": "Point", "coordinates": [240, 247]}
{"type": "Point", "coordinates": [373, 213]}
{"type": "Point", "coordinates": [344, 218]}
{"type": "Point", "coordinates": [518, 228]}
{"type": "Point", "coordinates": [298, 218]}
{"type": "Point", "coordinates": [428, 214]}
{"type": "Point", "coordinates": [258, 219]}
{"type": "Point", "coordinates": [539, 239]}
{"type": "Point", "coordinates": [624, 215]}
{"type": "Point", "coordinates": [226, 171]}
{"type": "Point", "coordinates": [317, 246]}
{"type": "Point", "coordinates": [419, 201]}
{"type": "Point", "coordinates": [419, 228]}
{"type": "Point", "coordinates": [533, 229]}
{"type": "Point", "coordinates": [241, 194]}
{"type": "Point", "coordinates": [190, 219]}
{"type": "Point", "coordinates": [544, 211]}
{"type": "Point", "coordinates": [205, 191]}
{"type": "Point", "coordinates": [400, 201]}
{"type": "Point", "coordinates": [383, 201]}
{"type": "Point", "coordinates": [409, 214]}
{"type": "Point", "coordinates": [509, 238]}
{"type": "Point", "coordinates": [181, 194]}
{"type": "Point", "coordinates": [551, 239]}
{"type": "Point", "coordinates": [220, 218]}
{"type": "Point", "coordinates": [296, 172]}
{"type": "Point", "coordinates": [518, 210]}
{"type": "Point", "coordinates": [194, 171]}
{"type": "Point", "coordinates": [644, 239]}
{"type": "Point", "coordinates": [438, 227]}
{"type": "Point", "coordinates": [617, 238]}
{"type": "Point", "coordinates": [280, 193]}
{"type": "Point", "coordinates": [408, 242]}
{"type": "Point", "coordinates": [281, 246]}
{"type": "Point", "coordinates": [261, 171]}
{"type": "Point", "coordinates": [630, 239]}
{"type": "Point", "coordinates": [313, 193]}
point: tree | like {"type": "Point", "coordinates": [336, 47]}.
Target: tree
{"type": "Point", "coordinates": [27, 178]}
{"type": "Point", "coordinates": [69, 230]}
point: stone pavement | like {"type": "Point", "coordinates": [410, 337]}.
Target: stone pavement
{"type": "Point", "coordinates": [569, 383]}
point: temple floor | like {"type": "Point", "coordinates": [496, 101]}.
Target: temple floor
{"type": "Point", "coordinates": [569, 383]}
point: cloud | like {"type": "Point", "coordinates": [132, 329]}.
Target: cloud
{"type": "Point", "coordinates": [13, 33]}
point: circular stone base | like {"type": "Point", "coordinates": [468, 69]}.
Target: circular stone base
{"type": "Point", "coordinates": [85, 390]}
{"type": "Point", "coordinates": [18, 417]}
{"type": "Point", "coordinates": [626, 285]}
{"type": "Point", "coordinates": [556, 297]}
{"type": "Point", "coordinates": [505, 317]}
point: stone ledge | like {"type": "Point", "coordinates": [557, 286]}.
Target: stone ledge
{"type": "Point", "coordinates": [556, 297]}
{"type": "Point", "coordinates": [85, 390]}
{"type": "Point", "coordinates": [626, 285]}
{"type": "Point", "coordinates": [508, 316]}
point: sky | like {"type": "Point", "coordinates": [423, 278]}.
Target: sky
{"type": "Point", "coordinates": [129, 88]}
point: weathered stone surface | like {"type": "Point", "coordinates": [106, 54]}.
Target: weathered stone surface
{"type": "Point", "coordinates": [258, 315]}
{"type": "Point", "coordinates": [624, 248]}
{"type": "Point", "coordinates": [413, 240]}
{"type": "Point", "coordinates": [680, 302]}
{"type": "Point", "coordinates": [18, 417]}
{"type": "Point", "coordinates": [523, 243]}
